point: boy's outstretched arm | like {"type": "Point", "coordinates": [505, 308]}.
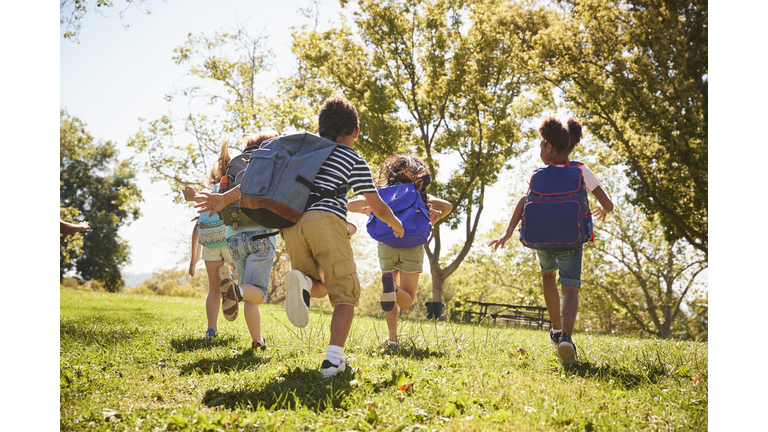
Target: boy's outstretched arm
{"type": "Point", "coordinates": [516, 215]}
{"type": "Point", "coordinates": [384, 213]}
{"type": "Point", "coordinates": [604, 204]}
{"type": "Point", "coordinates": [440, 209]}
{"type": "Point", "coordinates": [215, 202]}
{"type": "Point", "coordinates": [359, 205]}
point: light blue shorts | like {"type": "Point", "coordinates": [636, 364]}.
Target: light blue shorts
{"type": "Point", "coordinates": [253, 259]}
{"type": "Point", "coordinates": [568, 262]}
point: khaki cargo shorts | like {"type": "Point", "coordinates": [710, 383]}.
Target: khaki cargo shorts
{"type": "Point", "coordinates": [319, 247]}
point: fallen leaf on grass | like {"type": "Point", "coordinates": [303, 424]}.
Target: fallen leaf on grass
{"type": "Point", "coordinates": [696, 380]}
{"type": "Point", "coordinates": [521, 351]}
{"type": "Point", "coordinates": [405, 387]}
{"type": "Point", "coordinates": [401, 398]}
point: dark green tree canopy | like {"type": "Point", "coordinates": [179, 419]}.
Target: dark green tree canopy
{"type": "Point", "coordinates": [103, 191]}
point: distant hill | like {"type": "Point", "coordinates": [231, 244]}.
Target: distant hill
{"type": "Point", "coordinates": [132, 280]}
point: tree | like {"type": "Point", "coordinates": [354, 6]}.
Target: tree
{"type": "Point", "coordinates": [102, 190]}
{"type": "Point", "coordinates": [635, 72]}
{"type": "Point", "coordinates": [230, 63]}
{"type": "Point", "coordinates": [436, 78]}
{"type": "Point", "coordinates": [73, 11]}
{"type": "Point", "coordinates": [648, 276]}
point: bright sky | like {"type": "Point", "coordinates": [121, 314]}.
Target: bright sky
{"type": "Point", "coordinates": [115, 75]}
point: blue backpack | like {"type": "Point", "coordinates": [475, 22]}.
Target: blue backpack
{"type": "Point", "coordinates": [556, 216]}
{"type": "Point", "coordinates": [275, 186]}
{"type": "Point", "coordinates": [406, 203]}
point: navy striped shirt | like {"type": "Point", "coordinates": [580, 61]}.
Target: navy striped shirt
{"type": "Point", "coordinates": [343, 166]}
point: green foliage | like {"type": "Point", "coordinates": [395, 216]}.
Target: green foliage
{"type": "Point", "coordinates": [176, 283]}
{"type": "Point", "coordinates": [648, 276]}
{"type": "Point", "coordinates": [99, 188]}
{"type": "Point", "coordinates": [636, 73]}
{"type": "Point", "coordinates": [180, 150]}
{"type": "Point", "coordinates": [142, 363]}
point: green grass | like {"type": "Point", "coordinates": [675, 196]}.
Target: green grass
{"type": "Point", "coordinates": [130, 362]}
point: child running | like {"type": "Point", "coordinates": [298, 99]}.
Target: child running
{"type": "Point", "coordinates": [557, 143]}
{"type": "Point", "coordinates": [253, 252]}
{"type": "Point", "coordinates": [401, 267]}
{"type": "Point", "coordinates": [318, 244]}
{"type": "Point", "coordinates": [209, 235]}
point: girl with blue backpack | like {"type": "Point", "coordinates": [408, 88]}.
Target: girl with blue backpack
{"type": "Point", "coordinates": [402, 184]}
{"type": "Point", "coordinates": [209, 237]}
{"type": "Point", "coordinates": [556, 222]}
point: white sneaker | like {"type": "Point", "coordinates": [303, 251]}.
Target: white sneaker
{"type": "Point", "coordinates": [297, 293]}
{"type": "Point", "coordinates": [328, 369]}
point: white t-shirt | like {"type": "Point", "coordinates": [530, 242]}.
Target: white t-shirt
{"type": "Point", "coordinates": [589, 177]}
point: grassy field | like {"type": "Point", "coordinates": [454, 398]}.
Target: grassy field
{"type": "Point", "coordinates": [130, 362]}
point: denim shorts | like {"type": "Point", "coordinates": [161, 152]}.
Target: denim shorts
{"type": "Point", "coordinates": [253, 259]}
{"type": "Point", "coordinates": [568, 262]}
{"type": "Point", "coordinates": [408, 260]}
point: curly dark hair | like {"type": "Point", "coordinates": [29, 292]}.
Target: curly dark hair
{"type": "Point", "coordinates": [337, 117]}
{"type": "Point", "coordinates": [406, 168]}
{"type": "Point", "coordinates": [574, 130]}
{"type": "Point", "coordinates": [562, 138]}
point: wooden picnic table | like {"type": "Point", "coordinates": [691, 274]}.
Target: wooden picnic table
{"type": "Point", "coordinates": [529, 315]}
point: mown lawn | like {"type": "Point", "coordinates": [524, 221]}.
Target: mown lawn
{"type": "Point", "coordinates": [130, 362]}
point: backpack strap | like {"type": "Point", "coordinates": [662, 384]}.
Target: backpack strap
{"type": "Point", "coordinates": [341, 190]}
{"type": "Point", "coordinates": [261, 236]}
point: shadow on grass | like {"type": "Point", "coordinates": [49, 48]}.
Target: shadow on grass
{"type": "Point", "coordinates": [201, 342]}
{"type": "Point", "coordinates": [109, 334]}
{"type": "Point", "coordinates": [408, 349]}
{"type": "Point", "coordinates": [292, 389]}
{"type": "Point", "coordinates": [208, 366]}
{"type": "Point", "coordinates": [652, 374]}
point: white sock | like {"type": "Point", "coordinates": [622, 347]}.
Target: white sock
{"type": "Point", "coordinates": [261, 341]}
{"type": "Point", "coordinates": [334, 354]}
{"type": "Point", "coordinates": [556, 331]}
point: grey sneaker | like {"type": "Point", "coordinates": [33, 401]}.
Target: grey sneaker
{"type": "Point", "coordinates": [566, 349]}
{"type": "Point", "coordinates": [297, 293]}
{"type": "Point", "coordinates": [259, 346]}
{"type": "Point", "coordinates": [554, 337]}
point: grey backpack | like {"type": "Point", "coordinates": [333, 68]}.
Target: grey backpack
{"type": "Point", "coordinates": [275, 187]}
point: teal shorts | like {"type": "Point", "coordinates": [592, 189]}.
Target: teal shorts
{"type": "Point", "coordinates": [408, 260]}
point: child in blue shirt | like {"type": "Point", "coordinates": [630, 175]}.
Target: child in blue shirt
{"type": "Point", "coordinates": [557, 142]}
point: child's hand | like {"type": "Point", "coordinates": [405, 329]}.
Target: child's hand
{"type": "Point", "coordinates": [499, 242]}
{"type": "Point", "coordinates": [189, 193]}
{"type": "Point", "coordinates": [599, 213]}
{"type": "Point", "coordinates": [398, 228]}
{"type": "Point", "coordinates": [208, 202]}
{"type": "Point", "coordinates": [434, 216]}
{"type": "Point", "coordinates": [82, 226]}
{"type": "Point", "coordinates": [192, 270]}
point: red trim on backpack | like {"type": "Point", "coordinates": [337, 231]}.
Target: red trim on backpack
{"type": "Point", "coordinates": [566, 163]}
